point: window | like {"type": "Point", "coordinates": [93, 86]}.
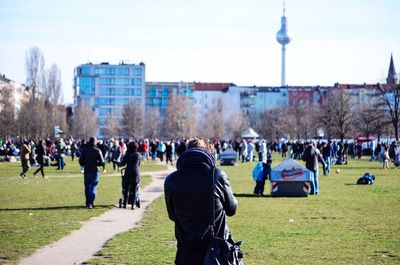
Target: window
{"type": "Point", "coordinates": [121, 101]}
{"type": "Point", "coordinates": [107, 81]}
{"type": "Point", "coordinates": [105, 101]}
{"type": "Point", "coordinates": [137, 71]}
{"type": "Point", "coordinates": [152, 92]}
{"type": "Point", "coordinates": [137, 92]}
{"type": "Point", "coordinates": [136, 81]}
{"type": "Point", "coordinates": [87, 86]}
{"type": "Point", "coordinates": [122, 91]}
{"type": "Point", "coordinates": [104, 71]}
{"type": "Point", "coordinates": [122, 81]}
{"type": "Point", "coordinates": [105, 91]}
{"type": "Point", "coordinates": [85, 70]}
{"type": "Point", "coordinates": [105, 111]}
{"type": "Point", "coordinates": [122, 71]}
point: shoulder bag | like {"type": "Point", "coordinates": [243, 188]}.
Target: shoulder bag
{"type": "Point", "coordinates": [221, 251]}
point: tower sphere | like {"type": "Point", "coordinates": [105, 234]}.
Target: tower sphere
{"type": "Point", "coordinates": [282, 36]}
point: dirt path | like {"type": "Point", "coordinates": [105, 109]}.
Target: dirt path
{"type": "Point", "coordinates": [82, 244]}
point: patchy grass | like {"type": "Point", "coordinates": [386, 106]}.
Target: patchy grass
{"type": "Point", "coordinates": [35, 212]}
{"type": "Point", "coordinates": [345, 224]}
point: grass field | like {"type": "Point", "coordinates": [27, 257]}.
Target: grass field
{"type": "Point", "coordinates": [36, 211]}
{"type": "Point", "coordinates": [345, 224]}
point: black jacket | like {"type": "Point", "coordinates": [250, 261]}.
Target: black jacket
{"type": "Point", "coordinates": [132, 162]}
{"type": "Point", "coordinates": [188, 199]}
{"type": "Point", "coordinates": [311, 156]}
{"type": "Point", "coordinates": [91, 158]}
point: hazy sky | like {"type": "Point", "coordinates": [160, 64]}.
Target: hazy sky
{"type": "Point", "coordinates": [345, 41]}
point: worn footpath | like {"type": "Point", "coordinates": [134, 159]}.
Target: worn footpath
{"type": "Point", "coordinates": [82, 244]}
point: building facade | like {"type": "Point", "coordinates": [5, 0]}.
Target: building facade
{"type": "Point", "coordinates": [158, 95]}
{"type": "Point", "coordinates": [208, 95]}
{"type": "Point", "coordinates": [106, 88]}
{"type": "Point", "coordinates": [19, 92]}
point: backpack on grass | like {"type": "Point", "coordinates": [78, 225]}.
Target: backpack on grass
{"type": "Point", "coordinates": [366, 179]}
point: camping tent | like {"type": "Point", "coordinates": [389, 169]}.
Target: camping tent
{"type": "Point", "coordinates": [290, 179]}
{"type": "Point", "coordinates": [249, 133]}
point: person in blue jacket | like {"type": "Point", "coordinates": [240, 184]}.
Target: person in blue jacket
{"type": "Point", "coordinates": [261, 173]}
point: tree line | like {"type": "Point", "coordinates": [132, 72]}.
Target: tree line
{"type": "Point", "coordinates": [337, 117]}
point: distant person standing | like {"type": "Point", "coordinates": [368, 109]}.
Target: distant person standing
{"type": "Point", "coordinates": [90, 159]}
{"type": "Point", "coordinates": [24, 156]}
{"type": "Point", "coordinates": [385, 157]}
{"type": "Point", "coordinates": [60, 147]}
{"type": "Point", "coordinates": [311, 156]}
{"type": "Point", "coordinates": [169, 152]}
{"type": "Point", "coordinates": [131, 178]}
{"type": "Point", "coordinates": [116, 155]}
{"type": "Point", "coordinates": [74, 148]}
{"type": "Point", "coordinates": [40, 153]}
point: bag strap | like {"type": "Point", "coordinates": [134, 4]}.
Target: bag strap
{"type": "Point", "coordinates": [213, 201]}
{"type": "Point", "coordinates": [211, 221]}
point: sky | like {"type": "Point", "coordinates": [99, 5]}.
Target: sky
{"type": "Point", "coordinates": [344, 41]}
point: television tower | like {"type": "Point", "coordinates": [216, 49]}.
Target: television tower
{"type": "Point", "coordinates": [283, 38]}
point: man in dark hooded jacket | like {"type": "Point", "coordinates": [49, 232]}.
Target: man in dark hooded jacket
{"type": "Point", "coordinates": [90, 159]}
{"type": "Point", "coordinates": [188, 199]}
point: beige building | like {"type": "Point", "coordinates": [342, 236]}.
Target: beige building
{"type": "Point", "coordinates": [19, 92]}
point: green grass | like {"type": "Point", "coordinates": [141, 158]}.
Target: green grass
{"type": "Point", "coordinates": [345, 224]}
{"type": "Point", "coordinates": [35, 212]}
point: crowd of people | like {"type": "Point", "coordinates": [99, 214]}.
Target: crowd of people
{"type": "Point", "coordinates": [52, 153]}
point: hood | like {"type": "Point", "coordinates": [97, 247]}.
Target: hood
{"type": "Point", "coordinates": [195, 156]}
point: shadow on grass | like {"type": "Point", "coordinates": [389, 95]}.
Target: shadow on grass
{"type": "Point", "coordinates": [75, 207]}
{"type": "Point", "coordinates": [249, 195]}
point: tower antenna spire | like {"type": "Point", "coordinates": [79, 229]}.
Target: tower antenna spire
{"type": "Point", "coordinates": [284, 8]}
{"type": "Point", "coordinates": [283, 38]}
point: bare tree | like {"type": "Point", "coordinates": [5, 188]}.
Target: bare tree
{"type": "Point", "coordinates": [180, 120]}
{"type": "Point", "coordinates": [112, 128]}
{"type": "Point", "coordinates": [273, 125]}
{"type": "Point", "coordinates": [132, 120]}
{"type": "Point", "coordinates": [342, 113]}
{"type": "Point", "coordinates": [84, 123]}
{"type": "Point", "coordinates": [299, 119]}
{"type": "Point", "coordinates": [152, 123]}
{"type": "Point", "coordinates": [52, 87]}
{"type": "Point", "coordinates": [31, 121]}
{"type": "Point", "coordinates": [7, 112]}
{"type": "Point", "coordinates": [325, 117]}
{"type": "Point", "coordinates": [370, 118]}
{"type": "Point", "coordinates": [34, 64]}
{"type": "Point", "coordinates": [391, 98]}
{"type": "Point", "coordinates": [235, 125]}
{"type": "Point", "coordinates": [52, 97]}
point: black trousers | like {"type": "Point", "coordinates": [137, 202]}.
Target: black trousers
{"type": "Point", "coordinates": [190, 256]}
{"type": "Point", "coordinates": [129, 191]}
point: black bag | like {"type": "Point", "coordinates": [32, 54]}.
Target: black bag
{"type": "Point", "coordinates": [221, 251]}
